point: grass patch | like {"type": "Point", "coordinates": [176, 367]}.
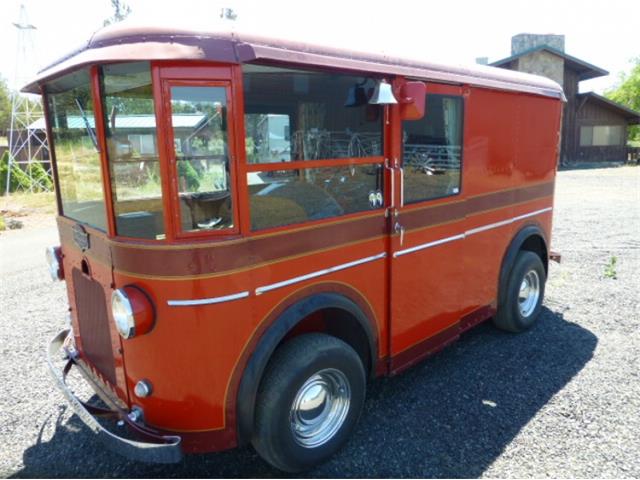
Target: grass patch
{"type": "Point", "coordinates": [610, 268]}
{"type": "Point", "coordinates": [33, 202]}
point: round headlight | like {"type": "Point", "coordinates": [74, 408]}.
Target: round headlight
{"type": "Point", "coordinates": [132, 311]}
{"type": "Point", "coordinates": [123, 314]}
{"type": "Point", "coordinates": [53, 262]}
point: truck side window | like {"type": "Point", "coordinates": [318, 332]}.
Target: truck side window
{"type": "Point", "coordinates": [433, 150]}
{"type": "Point", "coordinates": [200, 143]}
{"type": "Point", "coordinates": [294, 117]}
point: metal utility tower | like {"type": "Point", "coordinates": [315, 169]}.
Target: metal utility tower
{"type": "Point", "coordinates": [28, 146]}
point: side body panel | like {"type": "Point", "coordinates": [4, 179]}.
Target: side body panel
{"type": "Point", "coordinates": [450, 281]}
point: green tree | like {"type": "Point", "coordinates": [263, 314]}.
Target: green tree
{"type": "Point", "coordinates": [120, 11]}
{"type": "Point", "coordinates": [627, 93]}
{"type": "Point", "coordinates": [5, 107]}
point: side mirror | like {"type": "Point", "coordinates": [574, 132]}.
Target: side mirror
{"type": "Point", "coordinates": [412, 100]}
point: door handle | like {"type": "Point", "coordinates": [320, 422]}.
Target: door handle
{"type": "Point", "coordinates": [391, 169]}
{"type": "Point", "coordinates": [399, 229]}
{"type": "Point", "coordinates": [401, 186]}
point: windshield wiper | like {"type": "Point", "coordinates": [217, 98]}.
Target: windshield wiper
{"type": "Point", "coordinates": [87, 126]}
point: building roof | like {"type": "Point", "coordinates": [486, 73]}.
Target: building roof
{"type": "Point", "coordinates": [223, 43]}
{"type": "Point", "coordinates": [585, 70]}
{"type": "Point", "coordinates": [180, 120]}
{"type": "Point", "coordinates": [630, 115]}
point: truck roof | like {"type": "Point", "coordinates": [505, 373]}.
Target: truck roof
{"type": "Point", "coordinates": [128, 41]}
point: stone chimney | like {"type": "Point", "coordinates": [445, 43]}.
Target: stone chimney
{"type": "Point", "coordinates": [541, 62]}
{"type": "Point", "coordinates": [527, 41]}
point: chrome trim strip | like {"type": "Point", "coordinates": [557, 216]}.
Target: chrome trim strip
{"type": "Point", "coordinates": [506, 222]}
{"type": "Point", "coordinates": [399, 253]}
{"type": "Point", "coordinates": [207, 301]}
{"type": "Point", "coordinates": [302, 278]}
{"type": "Point", "coordinates": [490, 226]}
{"type": "Point", "coordinates": [470, 232]}
{"type": "Point", "coordinates": [527, 215]}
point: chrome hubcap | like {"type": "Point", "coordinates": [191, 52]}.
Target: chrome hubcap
{"type": "Point", "coordinates": [320, 408]}
{"type": "Point", "coordinates": [529, 293]}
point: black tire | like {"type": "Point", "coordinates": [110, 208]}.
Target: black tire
{"type": "Point", "coordinates": [293, 364]}
{"type": "Point", "coordinates": [509, 316]}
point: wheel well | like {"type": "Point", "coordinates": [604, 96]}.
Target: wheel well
{"type": "Point", "coordinates": [340, 324]}
{"type": "Point", "coordinates": [536, 244]}
{"type": "Point", "coordinates": [332, 313]}
{"type": "Point", "coordinates": [530, 238]}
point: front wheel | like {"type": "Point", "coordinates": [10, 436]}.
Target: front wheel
{"type": "Point", "coordinates": [308, 402]}
{"type": "Point", "coordinates": [521, 301]}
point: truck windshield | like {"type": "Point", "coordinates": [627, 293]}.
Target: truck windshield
{"type": "Point", "coordinates": [75, 148]}
{"type": "Point", "coordinates": [132, 147]}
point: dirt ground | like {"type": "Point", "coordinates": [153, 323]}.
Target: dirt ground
{"type": "Point", "coordinates": [31, 211]}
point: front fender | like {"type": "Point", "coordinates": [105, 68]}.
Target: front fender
{"type": "Point", "coordinates": [278, 327]}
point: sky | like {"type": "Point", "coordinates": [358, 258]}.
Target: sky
{"type": "Point", "coordinates": [605, 34]}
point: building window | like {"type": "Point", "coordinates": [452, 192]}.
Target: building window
{"type": "Point", "coordinates": [433, 150]}
{"type": "Point", "coordinates": [143, 144]}
{"type": "Point", "coordinates": [601, 135]}
{"type": "Point", "coordinates": [295, 117]}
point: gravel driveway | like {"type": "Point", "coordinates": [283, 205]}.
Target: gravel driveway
{"type": "Point", "coordinates": [562, 400]}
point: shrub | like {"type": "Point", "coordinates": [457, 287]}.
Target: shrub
{"type": "Point", "coordinates": [41, 181]}
{"type": "Point", "coordinates": [186, 171]}
{"type": "Point", "coordinates": [21, 180]}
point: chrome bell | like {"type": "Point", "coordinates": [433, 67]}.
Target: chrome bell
{"type": "Point", "coordinates": [383, 95]}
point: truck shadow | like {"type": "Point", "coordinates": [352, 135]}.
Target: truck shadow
{"type": "Point", "coordinates": [450, 416]}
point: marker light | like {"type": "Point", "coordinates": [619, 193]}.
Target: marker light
{"type": "Point", "coordinates": [143, 389]}
{"type": "Point", "coordinates": [132, 311]}
{"type": "Point", "coordinates": [54, 263]}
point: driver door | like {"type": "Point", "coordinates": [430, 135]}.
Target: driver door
{"type": "Point", "coordinates": [200, 150]}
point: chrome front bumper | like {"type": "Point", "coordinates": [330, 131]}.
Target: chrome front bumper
{"type": "Point", "coordinates": [156, 448]}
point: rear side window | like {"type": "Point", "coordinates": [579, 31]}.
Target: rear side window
{"type": "Point", "coordinates": [293, 115]}
{"type": "Point", "coordinates": [296, 121]}
{"type": "Point", "coordinates": [432, 150]}
{"type": "Point", "coordinates": [285, 197]}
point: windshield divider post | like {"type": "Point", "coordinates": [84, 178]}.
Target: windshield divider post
{"type": "Point", "coordinates": [100, 133]}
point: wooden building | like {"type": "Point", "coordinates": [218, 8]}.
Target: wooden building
{"type": "Point", "coordinates": [594, 129]}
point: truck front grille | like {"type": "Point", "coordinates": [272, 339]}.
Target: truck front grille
{"type": "Point", "coordinates": [93, 321]}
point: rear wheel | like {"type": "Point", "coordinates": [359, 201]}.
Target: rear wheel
{"type": "Point", "coordinates": [308, 402]}
{"type": "Point", "coordinates": [521, 301]}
